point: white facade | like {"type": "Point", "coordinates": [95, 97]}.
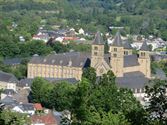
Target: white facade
{"type": "Point", "coordinates": [137, 45]}
{"type": "Point", "coordinates": [17, 109]}
{"type": "Point", "coordinates": [7, 85]}
{"type": "Point", "coordinates": [59, 39]}
{"type": "Point", "coordinates": [11, 86]}
{"type": "Point", "coordinates": [81, 31]}
{"type": "Point", "coordinates": [20, 110]}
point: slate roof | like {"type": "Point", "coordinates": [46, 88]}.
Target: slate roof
{"type": "Point", "coordinates": [144, 47]}
{"type": "Point", "coordinates": [130, 60]}
{"type": "Point", "coordinates": [127, 45]}
{"type": "Point", "coordinates": [25, 82]}
{"type": "Point", "coordinates": [74, 59]}
{"type": "Point", "coordinates": [8, 101]}
{"type": "Point", "coordinates": [132, 80]}
{"type": "Point", "coordinates": [117, 40]}
{"type": "Point", "coordinates": [107, 58]}
{"type": "Point", "coordinates": [14, 61]}
{"type": "Point", "coordinates": [9, 92]}
{"type": "Point", "coordinates": [27, 107]}
{"type": "Point", "coordinates": [8, 77]}
{"type": "Point", "coordinates": [98, 39]}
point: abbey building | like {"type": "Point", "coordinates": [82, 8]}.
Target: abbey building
{"type": "Point", "coordinates": [120, 60]}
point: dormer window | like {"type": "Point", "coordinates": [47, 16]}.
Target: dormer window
{"type": "Point", "coordinates": [53, 61]}
{"type": "Point", "coordinates": [61, 61]}
{"type": "Point", "coordinates": [44, 60]}
{"type": "Point", "coordinates": [70, 63]}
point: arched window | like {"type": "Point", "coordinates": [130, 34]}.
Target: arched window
{"type": "Point", "coordinates": [96, 48]}
{"type": "Point", "coordinates": [115, 55]}
{"type": "Point", "coordinates": [95, 53]}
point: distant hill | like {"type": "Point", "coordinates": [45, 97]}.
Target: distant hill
{"type": "Point", "coordinates": [38, 1]}
{"type": "Point", "coordinates": [137, 16]}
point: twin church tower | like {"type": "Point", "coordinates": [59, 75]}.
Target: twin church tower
{"type": "Point", "coordinates": [120, 58]}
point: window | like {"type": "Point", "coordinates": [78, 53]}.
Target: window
{"type": "Point", "coordinates": [125, 52]}
{"type": "Point", "coordinates": [95, 53]}
{"type": "Point", "coordinates": [115, 49]}
{"type": "Point", "coordinates": [115, 55]}
{"type": "Point", "coordinates": [96, 48]}
{"type": "Point", "coordinates": [142, 54]}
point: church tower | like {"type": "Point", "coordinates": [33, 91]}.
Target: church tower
{"type": "Point", "coordinates": [117, 55]}
{"type": "Point", "coordinates": [97, 55]}
{"type": "Point", "coordinates": [144, 60]}
{"type": "Point", "coordinates": [127, 48]}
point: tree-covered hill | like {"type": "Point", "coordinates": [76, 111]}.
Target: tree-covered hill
{"type": "Point", "coordinates": [137, 16]}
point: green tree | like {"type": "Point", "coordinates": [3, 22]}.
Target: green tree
{"type": "Point", "coordinates": [8, 48]}
{"type": "Point", "coordinates": [36, 89]}
{"type": "Point", "coordinates": [90, 74]}
{"type": "Point", "coordinates": [59, 47]}
{"type": "Point", "coordinates": [12, 118]}
{"type": "Point", "coordinates": [40, 91]}
{"type": "Point", "coordinates": [104, 118]}
{"type": "Point", "coordinates": [61, 96]}
{"type": "Point", "coordinates": [91, 102]}
{"type": "Point", "coordinates": [80, 110]}
{"type": "Point", "coordinates": [157, 101]}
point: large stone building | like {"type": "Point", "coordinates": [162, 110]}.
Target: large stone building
{"type": "Point", "coordinates": [67, 65]}
{"type": "Point", "coordinates": [120, 60]}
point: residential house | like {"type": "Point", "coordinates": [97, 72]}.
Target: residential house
{"type": "Point", "coordinates": [24, 108]}
{"type": "Point", "coordinates": [7, 81]}
{"type": "Point", "coordinates": [7, 92]}
{"type": "Point", "coordinates": [9, 102]}
{"type": "Point", "coordinates": [81, 31]}
{"type": "Point", "coordinates": [38, 107]}
{"type": "Point", "coordinates": [41, 36]}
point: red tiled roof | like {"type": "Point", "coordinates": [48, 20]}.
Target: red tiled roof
{"type": "Point", "coordinates": [40, 36]}
{"type": "Point", "coordinates": [70, 38]}
{"type": "Point", "coordinates": [47, 119]}
{"type": "Point", "coordinates": [38, 106]}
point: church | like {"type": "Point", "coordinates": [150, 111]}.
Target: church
{"type": "Point", "coordinates": [120, 59]}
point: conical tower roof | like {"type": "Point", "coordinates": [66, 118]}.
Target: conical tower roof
{"type": "Point", "coordinates": [127, 45]}
{"type": "Point", "coordinates": [144, 47]}
{"type": "Point", "coordinates": [98, 39]}
{"type": "Point", "coordinates": [117, 40]}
